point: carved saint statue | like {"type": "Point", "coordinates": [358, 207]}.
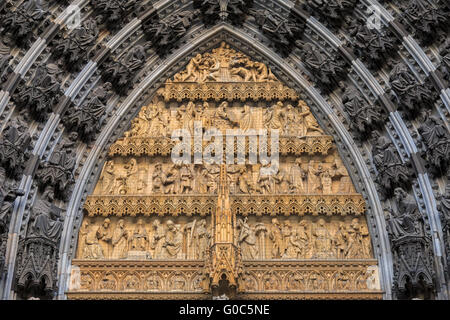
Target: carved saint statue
{"type": "Point", "coordinates": [46, 222]}
{"type": "Point", "coordinates": [405, 220]}
{"type": "Point", "coordinates": [322, 240]}
{"type": "Point", "coordinates": [247, 240]}
{"type": "Point", "coordinates": [158, 179]}
{"type": "Point", "coordinates": [277, 239]}
{"type": "Point", "coordinates": [340, 241]}
{"type": "Point", "coordinates": [201, 239]}
{"type": "Point", "coordinates": [109, 177]}
{"type": "Point", "coordinates": [314, 181]}
{"type": "Point", "coordinates": [297, 175]}
{"type": "Point", "coordinates": [275, 117]}
{"type": "Point", "coordinates": [119, 241]}
{"type": "Point", "coordinates": [157, 239]}
{"type": "Point", "coordinates": [139, 239]}
{"type": "Point", "coordinates": [173, 243]}
{"type": "Point", "coordinates": [309, 122]}
{"type": "Point", "coordinates": [104, 234]}
{"type": "Point", "coordinates": [92, 248]}
{"type": "Point", "coordinates": [355, 241]}
{"type": "Point", "coordinates": [7, 198]}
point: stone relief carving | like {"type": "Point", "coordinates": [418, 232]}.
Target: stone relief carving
{"type": "Point", "coordinates": [422, 18]}
{"type": "Point", "coordinates": [58, 170]}
{"type": "Point", "coordinates": [373, 47]}
{"type": "Point", "coordinates": [20, 23]}
{"type": "Point", "coordinates": [88, 118]}
{"type": "Point", "coordinates": [326, 70]}
{"type": "Point", "coordinates": [143, 239]}
{"type": "Point", "coordinates": [42, 94]}
{"type": "Point", "coordinates": [444, 51]}
{"type": "Point", "coordinates": [153, 211]}
{"type": "Point", "coordinates": [121, 72]}
{"type": "Point", "coordinates": [15, 144]}
{"type": "Point", "coordinates": [113, 13]}
{"type": "Point", "coordinates": [295, 176]}
{"type": "Point", "coordinates": [392, 172]}
{"type": "Point", "coordinates": [364, 118]}
{"type": "Point", "coordinates": [8, 194]}
{"type": "Point", "coordinates": [78, 46]}
{"type": "Point", "coordinates": [413, 262]}
{"type": "Point", "coordinates": [436, 139]}
{"type": "Point", "coordinates": [331, 12]}
{"type": "Point", "coordinates": [164, 34]}
{"type": "Point", "coordinates": [282, 31]}
{"type": "Point", "coordinates": [213, 11]}
{"type": "Point", "coordinates": [408, 93]}
{"type": "Point", "coordinates": [36, 273]}
{"type": "Point", "coordinates": [444, 210]}
{"type": "Point", "coordinates": [5, 59]}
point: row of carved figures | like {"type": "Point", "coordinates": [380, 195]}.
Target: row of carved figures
{"type": "Point", "coordinates": [164, 241]}
{"type": "Point", "coordinates": [272, 280]}
{"type": "Point", "coordinates": [156, 120]}
{"type": "Point", "coordinates": [296, 177]}
{"type": "Point", "coordinates": [304, 240]}
{"type": "Point", "coordinates": [224, 64]}
{"type": "Point", "coordinates": [276, 240]}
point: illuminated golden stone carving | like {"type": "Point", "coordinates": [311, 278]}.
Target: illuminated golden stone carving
{"type": "Point", "coordinates": [161, 229]}
{"type": "Point", "coordinates": [225, 74]}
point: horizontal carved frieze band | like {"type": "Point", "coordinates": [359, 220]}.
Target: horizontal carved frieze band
{"type": "Point", "coordinates": [137, 296]}
{"type": "Point", "coordinates": [308, 277]}
{"type": "Point", "coordinates": [160, 276]}
{"type": "Point", "coordinates": [152, 146]}
{"type": "Point", "coordinates": [309, 296]}
{"type": "Point", "coordinates": [174, 205]}
{"type": "Point", "coordinates": [219, 91]}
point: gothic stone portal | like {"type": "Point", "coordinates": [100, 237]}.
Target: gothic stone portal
{"type": "Point", "coordinates": [159, 229]}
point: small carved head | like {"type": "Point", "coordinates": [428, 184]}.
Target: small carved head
{"type": "Point", "coordinates": [106, 222]}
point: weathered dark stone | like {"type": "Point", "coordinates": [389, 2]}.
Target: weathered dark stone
{"type": "Point", "coordinates": [444, 51]}
{"type": "Point", "coordinates": [330, 12]}
{"type": "Point", "coordinates": [120, 73]}
{"type": "Point", "coordinates": [364, 118]}
{"type": "Point", "coordinates": [20, 23]}
{"type": "Point", "coordinates": [423, 19]}
{"type": "Point", "coordinates": [8, 194]}
{"type": "Point", "coordinates": [410, 95]}
{"type": "Point", "coordinates": [5, 67]}
{"type": "Point", "coordinates": [113, 13]}
{"type": "Point", "coordinates": [444, 211]}
{"type": "Point", "coordinates": [371, 46]}
{"type": "Point", "coordinates": [326, 70]}
{"type": "Point", "coordinates": [436, 139]}
{"type": "Point", "coordinates": [42, 94]}
{"type": "Point", "coordinates": [213, 11]}
{"type": "Point", "coordinates": [37, 259]}
{"type": "Point", "coordinates": [164, 34]}
{"type": "Point", "coordinates": [58, 171]}
{"type": "Point", "coordinates": [283, 32]}
{"type": "Point", "coordinates": [78, 47]}
{"type": "Point", "coordinates": [88, 118]}
{"type": "Point", "coordinates": [391, 171]}
{"type": "Point", "coordinates": [15, 143]}
{"type": "Point", "coordinates": [414, 275]}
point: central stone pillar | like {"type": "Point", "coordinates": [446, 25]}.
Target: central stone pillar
{"type": "Point", "coordinates": [225, 257]}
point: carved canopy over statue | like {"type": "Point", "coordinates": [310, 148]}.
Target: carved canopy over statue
{"type": "Point", "coordinates": [220, 218]}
